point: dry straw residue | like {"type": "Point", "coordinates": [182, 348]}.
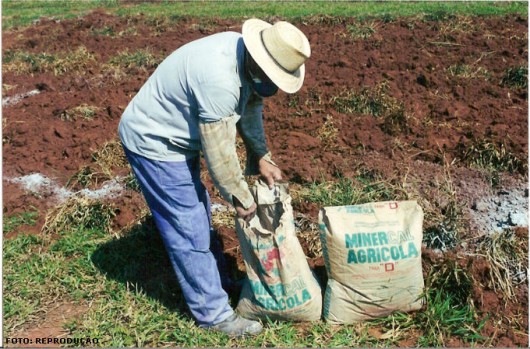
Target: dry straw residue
{"type": "Point", "coordinates": [508, 261]}
{"type": "Point", "coordinates": [20, 62]}
{"type": "Point", "coordinates": [308, 232]}
{"type": "Point", "coordinates": [79, 213]}
{"type": "Point", "coordinates": [328, 134]}
{"type": "Point", "coordinates": [110, 155]}
{"type": "Point", "coordinates": [83, 111]}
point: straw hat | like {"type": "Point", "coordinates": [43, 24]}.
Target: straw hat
{"type": "Point", "coordinates": [280, 50]}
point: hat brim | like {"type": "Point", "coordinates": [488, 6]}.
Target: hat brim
{"type": "Point", "coordinates": [286, 81]}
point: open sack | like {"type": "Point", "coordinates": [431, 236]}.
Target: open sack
{"type": "Point", "coordinates": [280, 284]}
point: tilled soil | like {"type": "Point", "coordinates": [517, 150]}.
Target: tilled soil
{"type": "Point", "coordinates": [413, 62]}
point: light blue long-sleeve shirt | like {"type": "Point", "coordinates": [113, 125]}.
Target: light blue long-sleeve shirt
{"type": "Point", "coordinates": [203, 80]}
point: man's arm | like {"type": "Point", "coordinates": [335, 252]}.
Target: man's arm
{"type": "Point", "coordinates": [218, 144]}
{"type": "Point", "coordinates": [259, 158]}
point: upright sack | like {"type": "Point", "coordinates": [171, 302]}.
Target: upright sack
{"type": "Point", "coordinates": [372, 254]}
{"type": "Point", "coordinates": [280, 284]}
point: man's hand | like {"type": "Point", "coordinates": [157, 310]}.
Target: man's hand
{"type": "Point", "coordinates": [246, 214]}
{"type": "Point", "coordinates": [269, 172]}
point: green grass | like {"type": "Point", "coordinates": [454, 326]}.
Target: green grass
{"type": "Point", "coordinates": [442, 236]}
{"type": "Point", "coordinates": [132, 183]}
{"type": "Point", "coordinates": [139, 59]}
{"type": "Point", "coordinates": [129, 292]}
{"type": "Point", "coordinates": [361, 30]}
{"type": "Point", "coordinates": [450, 310]}
{"type": "Point", "coordinates": [516, 77]}
{"type": "Point", "coordinates": [105, 31]}
{"type": "Point", "coordinates": [494, 158]}
{"type": "Point", "coordinates": [466, 71]}
{"type": "Point", "coordinates": [17, 13]}
{"type": "Point", "coordinates": [442, 318]}
{"type": "Point", "coordinates": [130, 298]}
{"type": "Point", "coordinates": [22, 13]}
{"type": "Point", "coordinates": [445, 318]}
{"type": "Point", "coordinates": [23, 290]}
{"type": "Point", "coordinates": [21, 62]}
{"type": "Point", "coordinates": [365, 187]}
{"type": "Point", "coordinates": [375, 101]}
{"type": "Point", "coordinates": [25, 63]}
{"type": "Point", "coordinates": [11, 223]}
{"type": "Point", "coordinates": [39, 272]}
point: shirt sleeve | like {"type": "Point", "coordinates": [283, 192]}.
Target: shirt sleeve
{"type": "Point", "coordinates": [218, 144]}
{"type": "Point", "coordinates": [216, 100]}
{"type": "Point", "coordinates": [253, 134]}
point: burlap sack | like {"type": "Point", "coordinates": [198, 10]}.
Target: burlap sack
{"type": "Point", "coordinates": [372, 254]}
{"type": "Point", "coordinates": [280, 284]}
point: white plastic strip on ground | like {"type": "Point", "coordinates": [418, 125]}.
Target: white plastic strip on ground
{"type": "Point", "coordinates": [7, 101]}
{"type": "Point", "coordinates": [37, 183]}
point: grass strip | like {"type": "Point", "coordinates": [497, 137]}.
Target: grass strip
{"type": "Point", "coordinates": [131, 298]}
{"type": "Point", "coordinates": [22, 13]}
{"type": "Point", "coordinates": [128, 291]}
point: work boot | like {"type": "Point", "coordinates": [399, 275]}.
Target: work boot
{"type": "Point", "coordinates": [236, 326]}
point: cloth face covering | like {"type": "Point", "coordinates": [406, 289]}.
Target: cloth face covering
{"type": "Point", "coordinates": [263, 87]}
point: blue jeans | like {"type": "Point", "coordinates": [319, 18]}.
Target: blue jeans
{"type": "Point", "coordinates": [180, 206]}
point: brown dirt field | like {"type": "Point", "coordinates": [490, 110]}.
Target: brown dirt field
{"type": "Point", "coordinates": [445, 114]}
